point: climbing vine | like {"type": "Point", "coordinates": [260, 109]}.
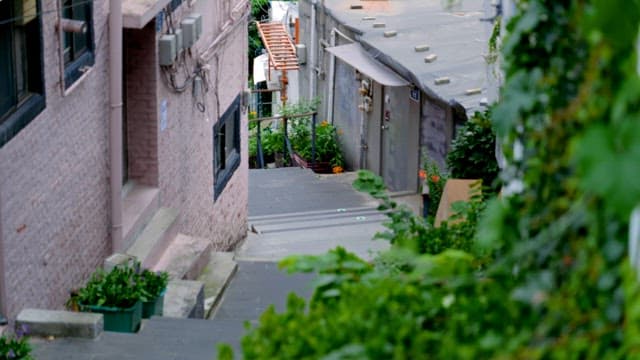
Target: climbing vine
{"type": "Point", "coordinates": [548, 275]}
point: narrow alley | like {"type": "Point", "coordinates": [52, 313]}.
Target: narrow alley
{"type": "Point", "coordinates": [292, 211]}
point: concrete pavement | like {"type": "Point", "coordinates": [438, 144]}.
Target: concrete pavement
{"type": "Point", "coordinates": [292, 211]}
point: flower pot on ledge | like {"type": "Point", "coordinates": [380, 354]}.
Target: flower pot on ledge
{"type": "Point", "coordinates": [320, 167]}
{"type": "Point", "coordinates": [118, 319]}
{"type": "Point", "coordinates": [153, 307]}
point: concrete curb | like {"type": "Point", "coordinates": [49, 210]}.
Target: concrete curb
{"type": "Point", "coordinates": [39, 322]}
{"type": "Point", "coordinates": [216, 277]}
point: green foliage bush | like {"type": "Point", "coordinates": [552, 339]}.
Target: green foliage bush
{"type": "Point", "coordinates": [407, 230]}
{"type": "Point", "coordinates": [15, 347]}
{"type": "Point", "coordinates": [547, 274]}
{"type": "Point", "coordinates": [117, 288]}
{"type": "Point", "coordinates": [472, 154]}
{"type": "Point", "coordinates": [121, 287]}
{"type": "Point", "coordinates": [299, 133]}
{"type": "Point", "coordinates": [153, 283]}
{"type": "Point", "coordinates": [436, 180]}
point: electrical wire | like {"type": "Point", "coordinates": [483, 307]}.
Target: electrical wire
{"type": "Point", "coordinates": [43, 12]}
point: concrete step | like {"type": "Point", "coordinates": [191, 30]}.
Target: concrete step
{"type": "Point", "coordinates": [185, 258]}
{"type": "Point", "coordinates": [216, 276]}
{"type": "Point", "coordinates": [149, 246]}
{"type": "Point", "coordinates": [317, 220]}
{"type": "Point", "coordinates": [317, 213]}
{"type": "Point", "coordinates": [138, 206]}
{"type": "Point", "coordinates": [184, 299]}
{"type": "Point", "coordinates": [44, 323]}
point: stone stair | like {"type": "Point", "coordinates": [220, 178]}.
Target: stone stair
{"type": "Point", "coordinates": [215, 277]}
{"type": "Point", "coordinates": [185, 258]}
{"type": "Point", "coordinates": [315, 220]}
{"type": "Point", "coordinates": [151, 236]}
{"type": "Point", "coordinates": [155, 237]}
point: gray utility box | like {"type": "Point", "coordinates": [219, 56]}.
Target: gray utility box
{"type": "Point", "coordinates": [191, 29]}
{"type": "Point", "coordinates": [301, 52]}
{"type": "Point", "coordinates": [167, 49]}
{"type": "Point", "coordinates": [189, 36]}
{"type": "Point", "coordinates": [179, 45]}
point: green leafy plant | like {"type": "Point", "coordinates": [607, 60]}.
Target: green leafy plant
{"type": "Point", "coordinates": [436, 180]}
{"type": "Point", "coordinates": [407, 230]}
{"type": "Point", "coordinates": [327, 145]}
{"type": "Point", "coordinates": [472, 154]}
{"type": "Point", "coordinates": [16, 347]}
{"type": "Point", "coordinates": [259, 11]}
{"type": "Point", "coordinates": [335, 268]}
{"type": "Point", "coordinates": [153, 283]}
{"type": "Point", "coordinates": [118, 288]}
{"type": "Point", "coordinates": [547, 275]}
{"type": "Point", "coordinates": [272, 141]}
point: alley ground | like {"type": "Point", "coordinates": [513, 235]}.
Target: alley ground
{"type": "Point", "coordinates": [292, 211]}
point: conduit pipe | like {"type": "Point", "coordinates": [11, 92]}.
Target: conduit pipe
{"type": "Point", "coordinates": [332, 71]}
{"type": "Point", "coordinates": [115, 122]}
{"type": "Point", "coordinates": [313, 62]}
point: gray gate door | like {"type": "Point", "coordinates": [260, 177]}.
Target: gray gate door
{"type": "Point", "coordinates": [400, 132]}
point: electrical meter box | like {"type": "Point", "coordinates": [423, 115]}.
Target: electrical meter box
{"type": "Point", "coordinates": [198, 19]}
{"type": "Point", "coordinates": [167, 49]}
{"type": "Point", "coordinates": [179, 44]}
{"type": "Point", "coordinates": [301, 52]}
{"type": "Point", "coordinates": [189, 36]}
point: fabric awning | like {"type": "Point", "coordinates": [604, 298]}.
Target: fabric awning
{"type": "Point", "coordinates": [358, 58]}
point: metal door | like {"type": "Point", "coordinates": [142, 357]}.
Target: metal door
{"type": "Point", "coordinates": [400, 131]}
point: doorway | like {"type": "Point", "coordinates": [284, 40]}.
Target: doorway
{"type": "Point", "coordinates": [399, 139]}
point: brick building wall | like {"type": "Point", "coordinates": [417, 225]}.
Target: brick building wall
{"type": "Point", "coordinates": [141, 104]}
{"type": "Point", "coordinates": [186, 145]}
{"type": "Point", "coordinates": [54, 182]}
{"type": "Point", "coordinates": [54, 175]}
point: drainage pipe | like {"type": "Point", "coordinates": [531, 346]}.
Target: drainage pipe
{"type": "Point", "coordinates": [332, 72]}
{"type": "Point", "coordinates": [314, 51]}
{"type": "Point", "coordinates": [115, 122]}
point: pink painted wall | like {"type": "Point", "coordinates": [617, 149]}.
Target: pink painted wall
{"type": "Point", "coordinates": [54, 175]}
{"type": "Point", "coordinates": [54, 182]}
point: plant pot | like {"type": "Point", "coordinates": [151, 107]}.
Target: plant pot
{"type": "Point", "coordinates": [321, 167]}
{"type": "Point", "coordinates": [279, 159]}
{"type": "Point", "coordinates": [153, 307]}
{"type": "Point", "coordinates": [118, 319]}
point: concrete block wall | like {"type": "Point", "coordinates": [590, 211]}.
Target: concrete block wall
{"type": "Point", "coordinates": [435, 125]}
{"type": "Point", "coordinates": [54, 182]}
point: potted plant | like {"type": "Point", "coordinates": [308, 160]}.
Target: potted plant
{"type": "Point", "coordinates": [117, 295]}
{"type": "Point", "coordinates": [329, 156]}
{"type": "Point", "coordinates": [154, 286]}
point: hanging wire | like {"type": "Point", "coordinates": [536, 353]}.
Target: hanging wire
{"type": "Point", "coordinates": [43, 12]}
